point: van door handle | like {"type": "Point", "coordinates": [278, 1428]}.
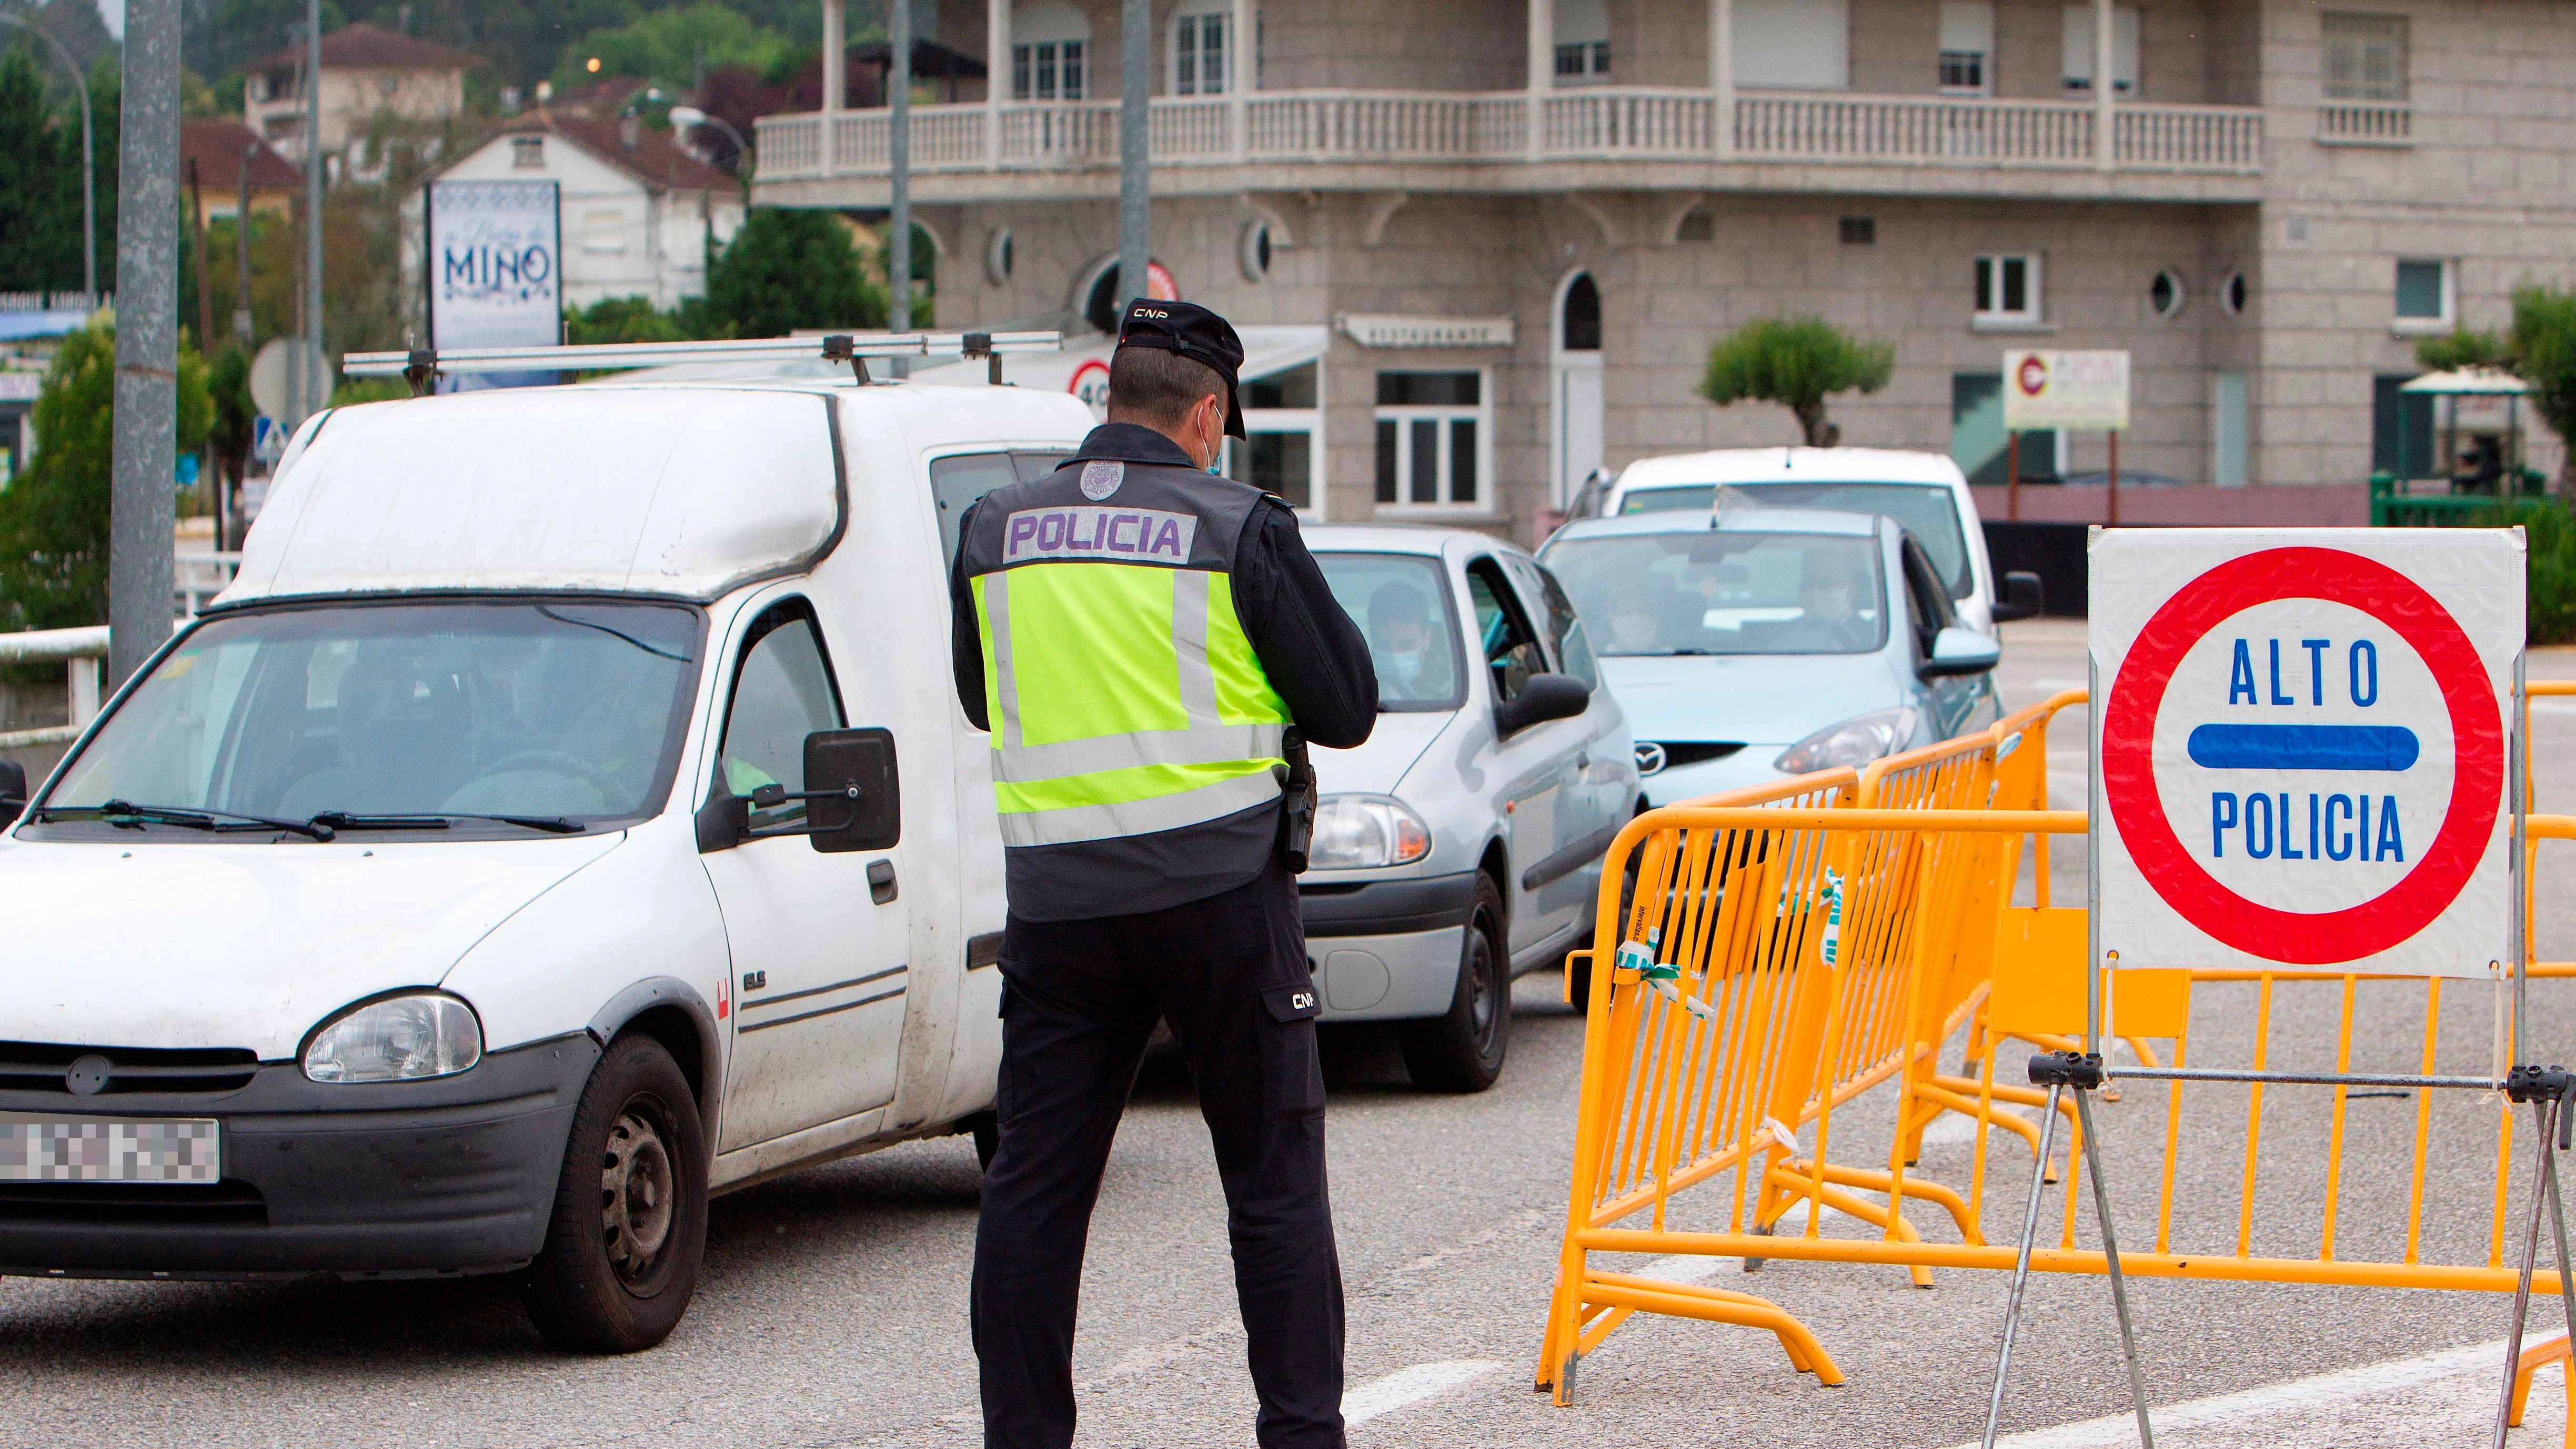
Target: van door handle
{"type": "Point", "coordinates": [881, 886]}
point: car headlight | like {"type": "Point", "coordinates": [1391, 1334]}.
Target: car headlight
{"type": "Point", "coordinates": [1854, 742]}
{"type": "Point", "coordinates": [1353, 832]}
{"type": "Point", "coordinates": [398, 1039]}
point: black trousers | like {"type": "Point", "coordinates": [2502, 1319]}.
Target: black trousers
{"type": "Point", "coordinates": [1229, 974]}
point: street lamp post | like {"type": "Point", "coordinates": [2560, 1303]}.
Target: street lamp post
{"type": "Point", "coordinates": [692, 116]}
{"type": "Point", "coordinates": [89, 165]}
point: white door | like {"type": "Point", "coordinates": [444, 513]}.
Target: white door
{"type": "Point", "coordinates": [818, 959]}
{"type": "Point", "coordinates": [1578, 421]}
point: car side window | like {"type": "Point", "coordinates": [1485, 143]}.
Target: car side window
{"type": "Point", "coordinates": [1564, 626]}
{"type": "Point", "coordinates": [958, 480]}
{"type": "Point", "coordinates": [1510, 645]}
{"type": "Point", "coordinates": [1927, 602]}
{"type": "Point", "coordinates": [782, 692]}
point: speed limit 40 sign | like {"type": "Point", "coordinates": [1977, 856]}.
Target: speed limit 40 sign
{"type": "Point", "coordinates": [2301, 739]}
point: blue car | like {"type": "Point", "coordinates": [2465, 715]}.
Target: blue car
{"type": "Point", "coordinates": [1747, 645]}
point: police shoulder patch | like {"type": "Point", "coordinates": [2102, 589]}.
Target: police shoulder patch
{"type": "Point", "coordinates": [1101, 477]}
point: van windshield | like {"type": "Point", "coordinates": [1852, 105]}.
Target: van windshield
{"type": "Point", "coordinates": [1929, 511]}
{"type": "Point", "coordinates": [567, 711]}
{"type": "Point", "coordinates": [1725, 593]}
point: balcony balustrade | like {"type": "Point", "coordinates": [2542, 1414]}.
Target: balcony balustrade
{"type": "Point", "coordinates": [1605, 123]}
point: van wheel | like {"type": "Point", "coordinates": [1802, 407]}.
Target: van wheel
{"type": "Point", "coordinates": [630, 1215]}
{"type": "Point", "coordinates": [1463, 1051]}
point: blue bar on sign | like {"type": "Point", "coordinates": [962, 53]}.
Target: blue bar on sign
{"type": "Point", "coordinates": [2302, 747]}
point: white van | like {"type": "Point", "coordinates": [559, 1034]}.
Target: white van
{"type": "Point", "coordinates": [1924, 492]}
{"type": "Point", "coordinates": [565, 816]}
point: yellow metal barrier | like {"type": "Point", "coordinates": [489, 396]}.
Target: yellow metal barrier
{"type": "Point", "coordinates": [1796, 957]}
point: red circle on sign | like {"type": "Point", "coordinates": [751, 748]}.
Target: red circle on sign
{"type": "Point", "coordinates": [1093, 373]}
{"type": "Point", "coordinates": [2137, 806]}
{"type": "Point", "coordinates": [2032, 375]}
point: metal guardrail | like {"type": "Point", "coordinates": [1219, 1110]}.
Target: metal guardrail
{"type": "Point", "coordinates": [81, 652]}
{"type": "Point", "coordinates": [2390, 507]}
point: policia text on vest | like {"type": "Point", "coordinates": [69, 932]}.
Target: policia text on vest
{"type": "Point", "coordinates": [1142, 639]}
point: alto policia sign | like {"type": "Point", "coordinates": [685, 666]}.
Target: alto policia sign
{"type": "Point", "coordinates": [2302, 747]}
{"type": "Point", "coordinates": [494, 270]}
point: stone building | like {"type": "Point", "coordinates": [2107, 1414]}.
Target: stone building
{"type": "Point", "coordinates": [1507, 234]}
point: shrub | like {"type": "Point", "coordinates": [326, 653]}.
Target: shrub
{"type": "Point", "coordinates": [787, 269]}
{"type": "Point", "coordinates": [1796, 362]}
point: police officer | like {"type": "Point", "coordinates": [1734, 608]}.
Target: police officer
{"type": "Point", "coordinates": [1141, 639]}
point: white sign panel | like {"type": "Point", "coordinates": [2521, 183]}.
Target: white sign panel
{"type": "Point", "coordinates": [2300, 739]}
{"type": "Point", "coordinates": [495, 264]}
{"type": "Point", "coordinates": [1428, 331]}
{"type": "Point", "coordinates": [2086, 391]}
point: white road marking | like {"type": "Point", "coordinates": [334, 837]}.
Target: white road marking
{"type": "Point", "coordinates": [2248, 1412]}
{"type": "Point", "coordinates": [1406, 1387]}
{"type": "Point", "coordinates": [1953, 1129]}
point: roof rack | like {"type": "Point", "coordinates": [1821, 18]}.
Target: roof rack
{"type": "Point", "coordinates": [422, 366]}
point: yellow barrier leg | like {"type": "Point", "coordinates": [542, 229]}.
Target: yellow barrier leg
{"type": "Point", "coordinates": [2533, 1359]}
{"type": "Point", "coordinates": [1931, 1192]}
{"type": "Point", "coordinates": [1717, 1305]}
{"type": "Point", "coordinates": [1886, 1216]}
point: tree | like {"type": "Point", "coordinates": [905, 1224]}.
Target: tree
{"type": "Point", "coordinates": [2544, 357]}
{"type": "Point", "coordinates": [788, 269]}
{"type": "Point", "coordinates": [40, 215]}
{"type": "Point", "coordinates": [2461, 348]}
{"type": "Point", "coordinates": [622, 319]}
{"type": "Point", "coordinates": [1796, 362]}
{"type": "Point", "coordinates": [667, 45]}
{"type": "Point", "coordinates": [54, 517]}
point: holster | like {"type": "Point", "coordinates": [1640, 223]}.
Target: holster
{"type": "Point", "coordinates": [1297, 809]}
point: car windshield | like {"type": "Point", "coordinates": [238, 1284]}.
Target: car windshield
{"type": "Point", "coordinates": [568, 711]}
{"type": "Point", "coordinates": [1401, 604]}
{"type": "Point", "coordinates": [1726, 593]}
{"type": "Point", "coordinates": [1929, 511]}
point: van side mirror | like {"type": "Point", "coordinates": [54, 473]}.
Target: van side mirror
{"type": "Point", "coordinates": [2023, 598]}
{"type": "Point", "coordinates": [1961, 651]}
{"type": "Point", "coordinates": [854, 802]}
{"type": "Point", "coordinates": [13, 790]}
{"type": "Point", "coordinates": [1543, 698]}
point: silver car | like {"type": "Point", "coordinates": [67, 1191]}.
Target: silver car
{"type": "Point", "coordinates": [1462, 845]}
{"type": "Point", "coordinates": [1753, 644]}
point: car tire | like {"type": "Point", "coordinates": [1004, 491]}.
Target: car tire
{"type": "Point", "coordinates": [1463, 1050]}
{"type": "Point", "coordinates": [629, 1226]}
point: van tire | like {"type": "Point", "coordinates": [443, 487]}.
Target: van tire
{"type": "Point", "coordinates": [1463, 1050]}
{"type": "Point", "coordinates": [629, 1227]}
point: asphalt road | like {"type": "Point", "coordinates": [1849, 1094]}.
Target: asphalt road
{"type": "Point", "coordinates": [833, 1308]}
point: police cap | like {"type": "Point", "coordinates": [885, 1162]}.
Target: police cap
{"type": "Point", "coordinates": [1195, 333]}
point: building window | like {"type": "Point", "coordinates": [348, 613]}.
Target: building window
{"type": "Point", "coordinates": [1199, 58]}
{"type": "Point", "coordinates": [603, 229]}
{"type": "Point", "coordinates": [1580, 321]}
{"type": "Point", "coordinates": [1285, 453]}
{"type": "Point", "coordinates": [1792, 44]}
{"type": "Point", "coordinates": [2425, 293]}
{"type": "Point", "coordinates": [1050, 51]}
{"type": "Point", "coordinates": [1582, 29]}
{"type": "Point", "coordinates": [2365, 57]}
{"type": "Point", "coordinates": [1860, 231]}
{"type": "Point", "coordinates": [1434, 436]}
{"type": "Point", "coordinates": [1252, 250]}
{"type": "Point", "coordinates": [2167, 294]}
{"type": "Point", "coordinates": [1967, 39]}
{"type": "Point", "coordinates": [1697, 225]}
{"type": "Point", "coordinates": [528, 153]}
{"type": "Point", "coordinates": [2233, 294]}
{"type": "Point", "coordinates": [998, 257]}
{"type": "Point", "coordinates": [2076, 28]}
{"type": "Point", "coordinates": [2008, 290]}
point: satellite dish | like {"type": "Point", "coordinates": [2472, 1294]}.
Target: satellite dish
{"type": "Point", "coordinates": [274, 378]}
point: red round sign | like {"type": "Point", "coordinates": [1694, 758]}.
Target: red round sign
{"type": "Point", "coordinates": [1091, 384]}
{"type": "Point", "coordinates": [2137, 804]}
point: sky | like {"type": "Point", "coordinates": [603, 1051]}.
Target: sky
{"type": "Point", "coordinates": [113, 12]}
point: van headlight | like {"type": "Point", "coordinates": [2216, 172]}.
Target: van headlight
{"type": "Point", "coordinates": [1854, 742]}
{"type": "Point", "coordinates": [1354, 832]}
{"type": "Point", "coordinates": [398, 1039]}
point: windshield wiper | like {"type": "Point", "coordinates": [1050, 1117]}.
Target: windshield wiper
{"type": "Point", "coordinates": [345, 820]}
{"type": "Point", "coordinates": [220, 822]}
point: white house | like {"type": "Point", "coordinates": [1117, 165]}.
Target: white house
{"type": "Point", "coordinates": [638, 211]}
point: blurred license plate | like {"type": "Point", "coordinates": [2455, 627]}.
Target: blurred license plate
{"type": "Point", "coordinates": [108, 1149]}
